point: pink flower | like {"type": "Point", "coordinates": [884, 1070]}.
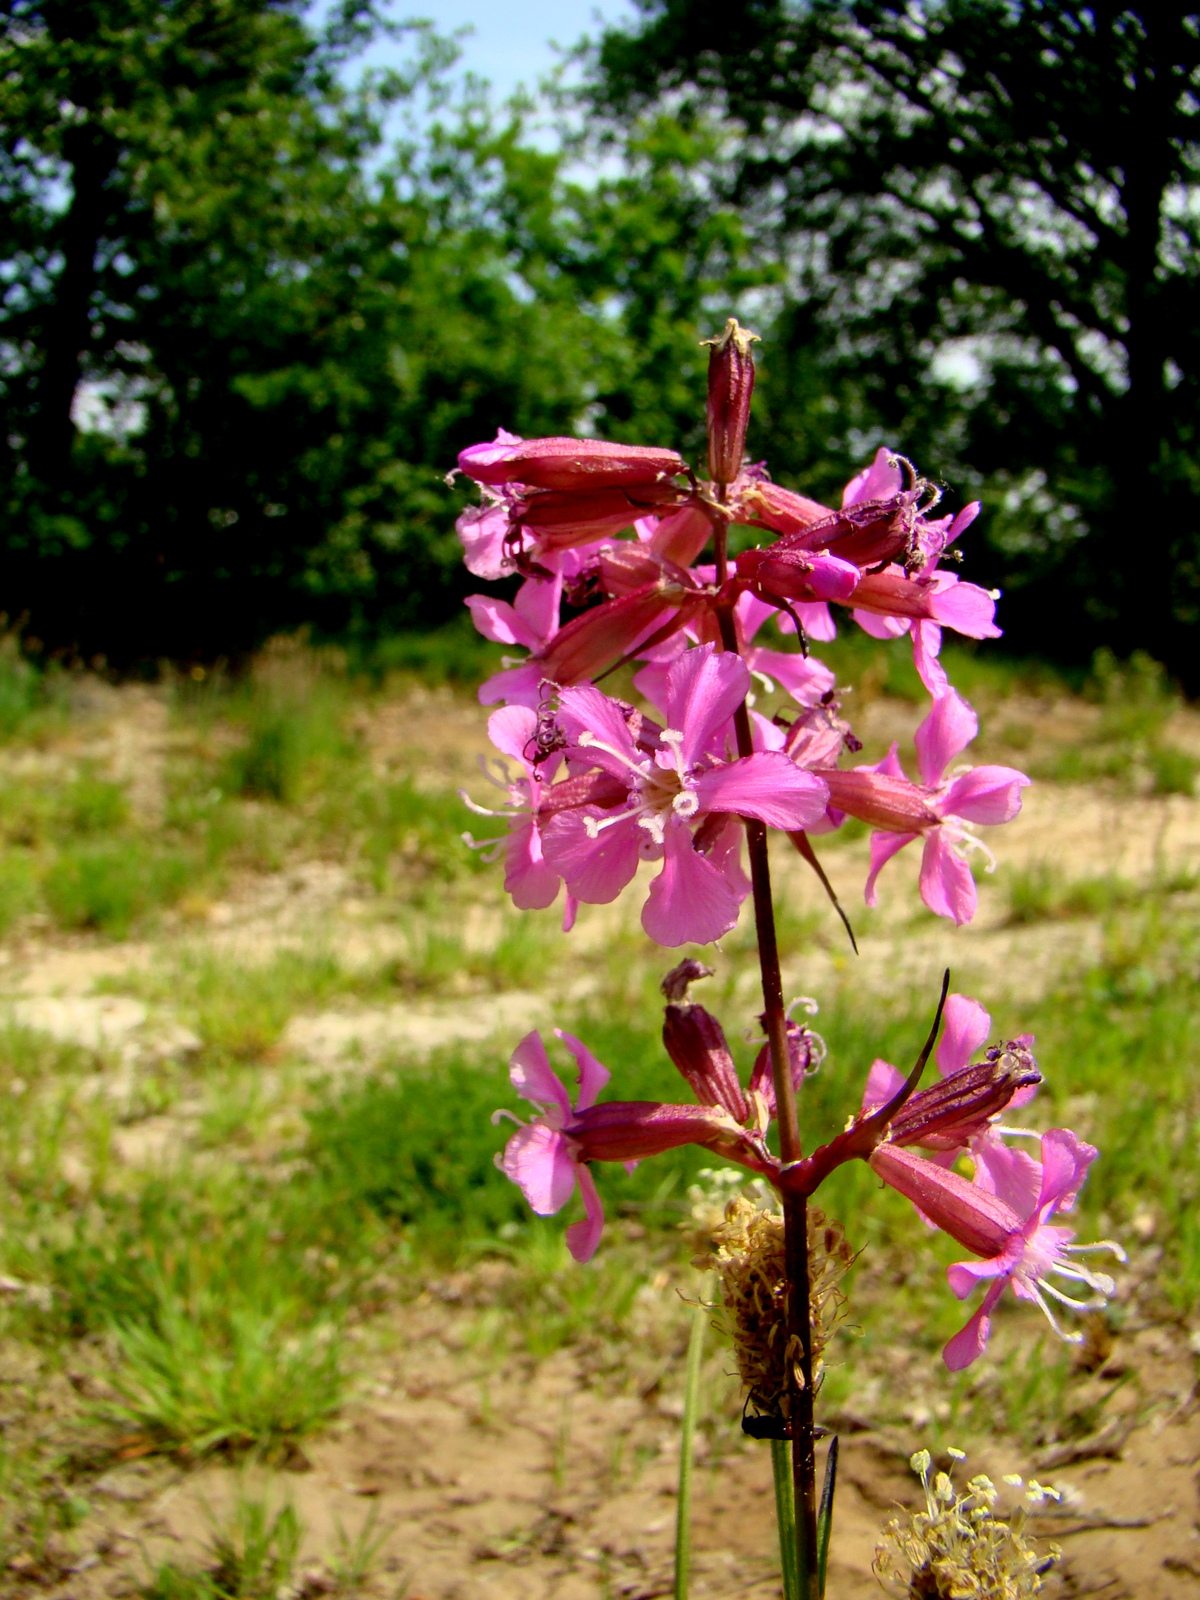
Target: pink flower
{"type": "Point", "coordinates": [484, 533]}
{"type": "Point", "coordinates": [547, 1157]}
{"type": "Point", "coordinates": [670, 790]}
{"type": "Point", "coordinates": [891, 603]}
{"type": "Point", "coordinates": [531, 621]}
{"type": "Point", "coordinates": [540, 1158]}
{"type": "Point", "coordinates": [940, 810]}
{"type": "Point", "coordinates": [1004, 1218]}
{"type": "Point", "coordinates": [805, 678]}
{"type": "Point", "coordinates": [528, 878]}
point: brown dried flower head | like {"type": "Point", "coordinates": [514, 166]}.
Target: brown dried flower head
{"type": "Point", "coordinates": [958, 1548]}
{"type": "Point", "coordinates": [746, 1252]}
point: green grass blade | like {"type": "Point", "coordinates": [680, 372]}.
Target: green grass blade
{"type": "Point", "coordinates": [825, 1515]}
{"type": "Point", "coordinates": [785, 1516]}
{"type": "Point", "coordinates": [691, 1405]}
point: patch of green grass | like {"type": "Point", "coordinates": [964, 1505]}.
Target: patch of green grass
{"type": "Point", "coordinates": [108, 884]}
{"type": "Point", "coordinates": [203, 1375]}
{"type": "Point", "coordinates": [453, 654]}
{"type": "Point", "coordinates": [1172, 771]}
{"type": "Point", "coordinates": [252, 1553]}
{"type": "Point", "coordinates": [1040, 893]}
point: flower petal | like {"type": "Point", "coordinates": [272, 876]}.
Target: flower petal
{"type": "Point", "coordinates": [593, 1074]}
{"type": "Point", "coordinates": [538, 1160]}
{"type": "Point", "coordinates": [585, 710]}
{"type": "Point", "coordinates": [583, 1238]}
{"type": "Point", "coordinates": [970, 1341]}
{"type": "Point", "coordinates": [945, 733]}
{"type": "Point", "coordinates": [879, 481]}
{"type": "Point", "coordinates": [595, 870]}
{"type": "Point", "coordinates": [966, 1030]}
{"type": "Point", "coordinates": [704, 688]}
{"type": "Point", "coordinates": [538, 600]}
{"type": "Point", "coordinates": [985, 794]}
{"type": "Point", "coordinates": [534, 1079]}
{"type": "Point", "coordinates": [881, 627]}
{"type": "Point", "coordinates": [690, 900]}
{"type": "Point", "coordinates": [883, 847]}
{"type": "Point", "coordinates": [498, 621]}
{"type": "Point", "coordinates": [510, 729]}
{"type": "Point", "coordinates": [519, 686]}
{"type": "Point", "coordinates": [965, 607]}
{"type": "Point", "coordinates": [531, 881]}
{"type": "Point", "coordinates": [1065, 1162]}
{"type": "Point", "coordinates": [765, 785]}
{"type": "Point", "coordinates": [883, 1081]}
{"type": "Point", "coordinates": [804, 677]}
{"type": "Point", "coordinates": [1013, 1176]}
{"type": "Point", "coordinates": [947, 887]}
{"type": "Point", "coordinates": [927, 642]}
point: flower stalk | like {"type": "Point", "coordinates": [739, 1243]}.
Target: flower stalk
{"type": "Point", "coordinates": [689, 779]}
{"type": "Point", "coordinates": [795, 1206]}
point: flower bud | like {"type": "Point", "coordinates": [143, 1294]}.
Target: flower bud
{"type": "Point", "coordinates": [630, 1130]}
{"type": "Point", "coordinates": [951, 1113]}
{"type": "Point", "coordinates": [799, 574]}
{"type": "Point", "coordinates": [559, 519]}
{"type": "Point", "coordinates": [981, 1222]}
{"type": "Point", "coordinates": [567, 463]}
{"type": "Point", "coordinates": [730, 386]}
{"type": "Point", "coordinates": [893, 804]}
{"type": "Point", "coordinates": [696, 1043]}
{"type": "Point", "coordinates": [593, 641]}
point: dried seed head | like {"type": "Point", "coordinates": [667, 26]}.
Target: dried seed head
{"type": "Point", "coordinates": [957, 1548]}
{"type": "Point", "coordinates": [746, 1251]}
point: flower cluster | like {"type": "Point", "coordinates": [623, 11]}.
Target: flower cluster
{"type": "Point", "coordinates": [603, 786]}
{"type": "Point", "coordinates": [1002, 1215]}
{"type": "Point", "coordinates": [959, 1546]}
{"type": "Point", "coordinates": [618, 554]}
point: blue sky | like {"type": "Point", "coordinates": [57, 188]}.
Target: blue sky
{"type": "Point", "coordinates": [511, 41]}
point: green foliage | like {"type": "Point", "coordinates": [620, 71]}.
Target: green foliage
{"type": "Point", "coordinates": [205, 1377]}
{"type": "Point", "coordinates": [252, 1554]}
{"type": "Point", "coordinates": [107, 885]}
{"type": "Point", "coordinates": [894, 159]}
{"type": "Point", "coordinates": [1040, 893]}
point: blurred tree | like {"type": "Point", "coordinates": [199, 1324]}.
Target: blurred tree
{"type": "Point", "coordinates": [240, 346]}
{"type": "Point", "coordinates": [986, 212]}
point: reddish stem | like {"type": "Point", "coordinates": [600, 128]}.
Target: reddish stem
{"type": "Point", "coordinates": [795, 1207]}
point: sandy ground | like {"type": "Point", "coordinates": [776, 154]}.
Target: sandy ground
{"type": "Point", "coordinates": [551, 1481]}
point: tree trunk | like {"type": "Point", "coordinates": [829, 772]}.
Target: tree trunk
{"type": "Point", "coordinates": [67, 325]}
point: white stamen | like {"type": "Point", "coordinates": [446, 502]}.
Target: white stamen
{"type": "Point", "coordinates": [497, 1117]}
{"type": "Point", "coordinates": [589, 741]}
{"type": "Point", "coordinates": [654, 826]}
{"type": "Point", "coordinates": [1067, 1338]}
{"type": "Point", "coordinates": [480, 811]}
{"type": "Point", "coordinates": [686, 803]}
{"type": "Point", "coordinates": [968, 841]}
{"type": "Point", "coordinates": [1023, 1133]}
{"type": "Point", "coordinates": [1066, 1300]}
{"type": "Point", "coordinates": [1100, 1281]}
{"type": "Point", "coordinates": [1100, 1244]}
{"type": "Point", "coordinates": [492, 849]}
{"type": "Point", "coordinates": [595, 826]}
